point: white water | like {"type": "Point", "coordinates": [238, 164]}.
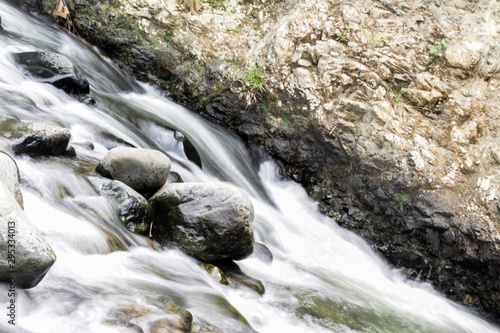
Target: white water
{"type": "Point", "coordinates": [322, 278]}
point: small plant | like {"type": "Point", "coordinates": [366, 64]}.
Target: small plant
{"type": "Point", "coordinates": [400, 198]}
{"type": "Point", "coordinates": [341, 37]}
{"type": "Point", "coordinates": [399, 97]}
{"type": "Point", "coordinates": [256, 79]}
{"type": "Point", "coordinates": [484, 109]}
{"type": "Point", "coordinates": [468, 95]}
{"type": "Point", "coordinates": [437, 48]}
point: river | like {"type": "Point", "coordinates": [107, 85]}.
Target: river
{"type": "Point", "coordinates": [322, 278]}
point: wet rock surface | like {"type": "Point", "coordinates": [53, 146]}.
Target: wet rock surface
{"type": "Point", "coordinates": [33, 256]}
{"type": "Point", "coordinates": [35, 138]}
{"type": "Point", "coordinates": [133, 208]}
{"type": "Point", "coordinates": [54, 69]}
{"type": "Point", "coordinates": [209, 221]}
{"type": "Point", "coordinates": [9, 176]}
{"type": "Point", "coordinates": [392, 131]}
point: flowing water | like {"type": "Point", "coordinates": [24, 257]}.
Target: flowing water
{"type": "Point", "coordinates": [322, 279]}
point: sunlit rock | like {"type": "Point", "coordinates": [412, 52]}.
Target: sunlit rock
{"type": "Point", "coordinates": [9, 175]}
{"type": "Point", "coordinates": [54, 69]}
{"type": "Point", "coordinates": [145, 170]}
{"type": "Point", "coordinates": [26, 254]}
{"type": "Point", "coordinates": [35, 138]}
{"type": "Point", "coordinates": [209, 221]}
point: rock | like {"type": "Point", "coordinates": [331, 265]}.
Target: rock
{"type": "Point", "coordinates": [144, 170]}
{"type": "Point", "coordinates": [54, 69]}
{"type": "Point", "coordinates": [125, 314]}
{"type": "Point", "coordinates": [215, 273]}
{"type": "Point", "coordinates": [209, 221]}
{"type": "Point", "coordinates": [237, 278]}
{"type": "Point", "coordinates": [464, 54]}
{"type": "Point", "coordinates": [133, 208]}
{"type": "Point", "coordinates": [202, 329]}
{"type": "Point", "coordinates": [9, 176]}
{"type": "Point", "coordinates": [179, 320]}
{"type": "Point", "coordinates": [262, 253]}
{"type": "Point", "coordinates": [33, 256]}
{"type": "Point", "coordinates": [174, 177]}
{"type": "Point", "coordinates": [36, 138]}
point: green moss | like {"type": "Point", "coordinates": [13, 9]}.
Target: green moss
{"type": "Point", "coordinates": [400, 198]}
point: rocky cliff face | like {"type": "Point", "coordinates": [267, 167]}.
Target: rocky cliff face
{"type": "Point", "coordinates": [387, 111]}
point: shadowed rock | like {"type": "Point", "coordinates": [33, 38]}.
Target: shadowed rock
{"type": "Point", "coordinates": [211, 221]}
{"type": "Point", "coordinates": [54, 69]}
{"type": "Point", "coordinates": [36, 138]}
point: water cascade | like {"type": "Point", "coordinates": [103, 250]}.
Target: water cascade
{"type": "Point", "coordinates": [322, 278]}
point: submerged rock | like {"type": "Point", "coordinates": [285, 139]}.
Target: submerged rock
{"type": "Point", "coordinates": [54, 69]}
{"type": "Point", "coordinates": [9, 176]}
{"type": "Point", "coordinates": [145, 170]}
{"type": "Point", "coordinates": [33, 256]}
{"type": "Point", "coordinates": [215, 272]}
{"type": "Point", "coordinates": [36, 138]}
{"type": "Point", "coordinates": [133, 208]}
{"type": "Point", "coordinates": [209, 221]}
{"type": "Point", "coordinates": [237, 278]}
{"type": "Point", "coordinates": [179, 320]}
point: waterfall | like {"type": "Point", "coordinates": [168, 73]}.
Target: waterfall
{"type": "Point", "coordinates": [322, 278]}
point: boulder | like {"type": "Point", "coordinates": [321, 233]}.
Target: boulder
{"type": "Point", "coordinates": [9, 175]}
{"type": "Point", "coordinates": [54, 69]}
{"type": "Point", "coordinates": [33, 256]}
{"type": "Point", "coordinates": [144, 170]}
{"type": "Point", "coordinates": [209, 221]}
{"type": "Point", "coordinates": [133, 208]}
{"type": "Point", "coordinates": [36, 138]}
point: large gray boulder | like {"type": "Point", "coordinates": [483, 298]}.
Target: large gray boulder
{"type": "Point", "coordinates": [209, 221]}
{"type": "Point", "coordinates": [144, 170]}
{"type": "Point", "coordinates": [133, 208]}
{"type": "Point", "coordinates": [9, 175]}
{"type": "Point", "coordinates": [35, 138]}
{"type": "Point", "coordinates": [26, 255]}
{"type": "Point", "coordinates": [55, 69]}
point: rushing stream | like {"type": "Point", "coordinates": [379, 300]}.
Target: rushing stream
{"type": "Point", "coordinates": [322, 279]}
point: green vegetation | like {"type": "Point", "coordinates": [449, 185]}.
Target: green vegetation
{"type": "Point", "coordinates": [399, 96]}
{"type": "Point", "coordinates": [285, 120]}
{"type": "Point", "coordinates": [400, 198]}
{"type": "Point", "coordinates": [255, 77]}
{"type": "Point", "coordinates": [341, 37]}
{"type": "Point", "coordinates": [437, 48]}
{"type": "Point", "coordinates": [484, 109]}
{"type": "Point", "coordinates": [217, 4]}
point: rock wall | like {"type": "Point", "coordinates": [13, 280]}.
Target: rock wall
{"type": "Point", "coordinates": [386, 111]}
